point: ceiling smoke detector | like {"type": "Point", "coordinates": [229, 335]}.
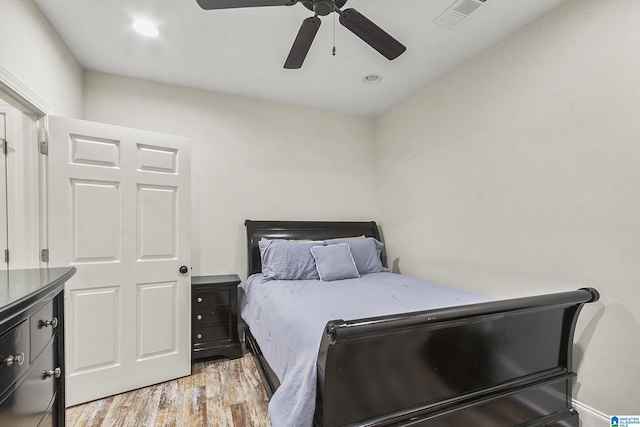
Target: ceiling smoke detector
{"type": "Point", "coordinates": [372, 79]}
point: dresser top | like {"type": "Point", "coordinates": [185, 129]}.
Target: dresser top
{"type": "Point", "coordinates": [19, 287]}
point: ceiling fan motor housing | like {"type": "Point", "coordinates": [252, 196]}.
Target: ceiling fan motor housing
{"type": "Point", "coordinates": [323, 7]}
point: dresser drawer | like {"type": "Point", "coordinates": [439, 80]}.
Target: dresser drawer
{"type": "Point", "coordinates": [27, 405]}
{"type": "Point", "coordinates": [44, 324]}
{"type": "Point", "coordinates": [14, 354]}
{"type": "Point", "coordinates": [48, 420]}
{"type": "Point", "coordinates": [211, 334]}
{"type": "Point", "coordinates": [210, 315]}
{"type": "Point", "coordinates": [209, 298]}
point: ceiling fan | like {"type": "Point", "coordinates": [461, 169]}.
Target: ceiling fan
{"type": "Point", "coordinates": [353, 20]}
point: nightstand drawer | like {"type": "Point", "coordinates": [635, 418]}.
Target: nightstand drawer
{"type": "Point", "coordinates": [210, 315]}
{"type": "Point", "coordinates": [208, 299]}
{"type": "Point", "coordinates": [211, 334]}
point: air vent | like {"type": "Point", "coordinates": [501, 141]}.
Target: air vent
{"type": "Point", "coordinates": [453, 16]}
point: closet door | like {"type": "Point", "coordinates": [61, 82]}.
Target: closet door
{"type": "Point", "coordinates": [4, 240]}
{"type": "Point", "coordinates": [119, 211]}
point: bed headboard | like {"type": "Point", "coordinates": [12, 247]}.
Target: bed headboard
{"type": "Point", "coordinates": [296, 230]}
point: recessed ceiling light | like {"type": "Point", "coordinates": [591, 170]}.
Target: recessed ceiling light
{"type": "Point", "coordinates": [372, 79]}
{"type": "Point", "coordinates": [145, 28]}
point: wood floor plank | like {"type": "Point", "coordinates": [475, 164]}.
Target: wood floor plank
{"type": "Point", "coordinates": [169, 405]}
{"type": "Point", "coordinates": [218, 382]}
{"type": "Point", "coordinates": [74, 413]}
{"type": "Point", "coordinates": [253, 380]}
{"type": "Point", "coordinates": [237, 389]}
{"type": "Point", "coordinates": [193, 411]}
{"type": "Point", "coordinates": [92, 413]}
{"type": "Point", "coordinates": [250, 413]}
{"type": "Point", "coordinates": [218, 393]}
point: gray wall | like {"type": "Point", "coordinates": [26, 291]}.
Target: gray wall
{"type": "Point", "coordinates": [250, 159]}
{"type": "Point", "coordinates": [32, 52]}
{"type": "Point", "coordinates": [519, 173]}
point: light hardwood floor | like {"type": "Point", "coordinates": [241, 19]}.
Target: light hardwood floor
{"type": "Point", "coordinates": [218, 393]}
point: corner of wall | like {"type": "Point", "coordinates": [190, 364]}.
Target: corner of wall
{"type": "Point", "coordinates": [590, 417]}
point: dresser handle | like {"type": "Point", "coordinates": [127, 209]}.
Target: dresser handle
{"type": "Point", "coordinates": [199, 336]}
{"type": "Point", "coordinates": [18, 359]}
{"type": "Point", "coordinates": [199, 299]}
{"type": "Point", "coordinates": [55, 373]}
{"type": "Point", "coordinates": [53, 323]}
{"type": "Point", "coordinates": [199, 317]}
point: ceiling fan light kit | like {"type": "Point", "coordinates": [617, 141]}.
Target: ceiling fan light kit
{"type": "Point", "coordinates": [145, 28]}
{"type": "Point", "coordinates": [351, 19]}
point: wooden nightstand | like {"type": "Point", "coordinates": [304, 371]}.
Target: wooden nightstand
{"type": "Point", "coordinates": [214, 316]}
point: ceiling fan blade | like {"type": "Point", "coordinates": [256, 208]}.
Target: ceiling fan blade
{"type": "Point", "coordinates": [230, 4]}
{"type": "Point", "coordinates": [302, 43]}
{"type": "Point", "coordinates": [373, 35]}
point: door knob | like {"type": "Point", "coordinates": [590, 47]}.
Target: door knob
{"type": "Point", "coordinates": [184, 269]}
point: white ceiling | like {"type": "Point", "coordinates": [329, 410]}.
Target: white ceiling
{"type": "Point", "coordinates": [242, 51]}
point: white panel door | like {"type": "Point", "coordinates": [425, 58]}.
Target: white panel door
{"type": "Point", "coordinates": [4, 242]}
{"type": "Point", "coordinates": [119, 211]}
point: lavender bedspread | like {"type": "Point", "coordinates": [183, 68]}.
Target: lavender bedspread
{"type": "Point", "coordinates": [287, 319]}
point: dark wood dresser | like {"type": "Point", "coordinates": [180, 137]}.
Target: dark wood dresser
{"type": "Point", "coordinates": [32, 387]}
{"type": "Point", "coordinates": [214, 316]}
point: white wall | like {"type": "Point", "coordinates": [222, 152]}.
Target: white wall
{"type": "Point", "coordinates": [251, 159]}
{"type": "Point", "coordinates": [32, 52]}
{"type": "Point", "coordinates": [519, 173]}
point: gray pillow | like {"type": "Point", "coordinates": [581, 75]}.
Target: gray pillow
{"type": "Point", "coordinates": [286, 260]}
{"type": "Point", "coordinates": [365, 252]}
{"type": "Point", "coordinates": [334, 262]}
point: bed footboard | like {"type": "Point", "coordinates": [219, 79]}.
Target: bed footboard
{"type": "Point", "coordinates": [502, 363]}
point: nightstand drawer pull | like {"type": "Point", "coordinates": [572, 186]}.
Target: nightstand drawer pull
{"type": "Point", "coordinates": [199, 317]}
{"type": "Point", "coordinates": [199, 336]}
{"type": "Point", "coordinates": [53, 323]}
{"type": "Point", "coordinates": [199, 299]}
{"type": "Point", "coordinates": [55, 373]}
{"type": "Point", "coordinates": [18, 360]}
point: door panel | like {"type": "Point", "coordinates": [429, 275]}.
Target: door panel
{"type": "Point", "coordinates": [157, 319]}
{"type": "Point", "coordinates": [119, 211]}
{"type": "Point", "coordinates": [157, 222]}
{"type": "Point", "coordinates": [96, 213]}
{"type": "Point", "coordinates": [157, 159]}
{"type": "Point", "coordinates": [102, 306]}
{"type": "Point", "coordinates": [94, 151]}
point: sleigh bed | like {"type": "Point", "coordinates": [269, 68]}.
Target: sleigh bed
{"type": "Point", "coordinates": [474, 362]}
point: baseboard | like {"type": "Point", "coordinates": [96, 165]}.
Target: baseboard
{"type": "Point", "coordinates": [590, 417]}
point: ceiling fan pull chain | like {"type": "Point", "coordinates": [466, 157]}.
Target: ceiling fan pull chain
{"type": "Point", "coordinates": [334, 35]}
